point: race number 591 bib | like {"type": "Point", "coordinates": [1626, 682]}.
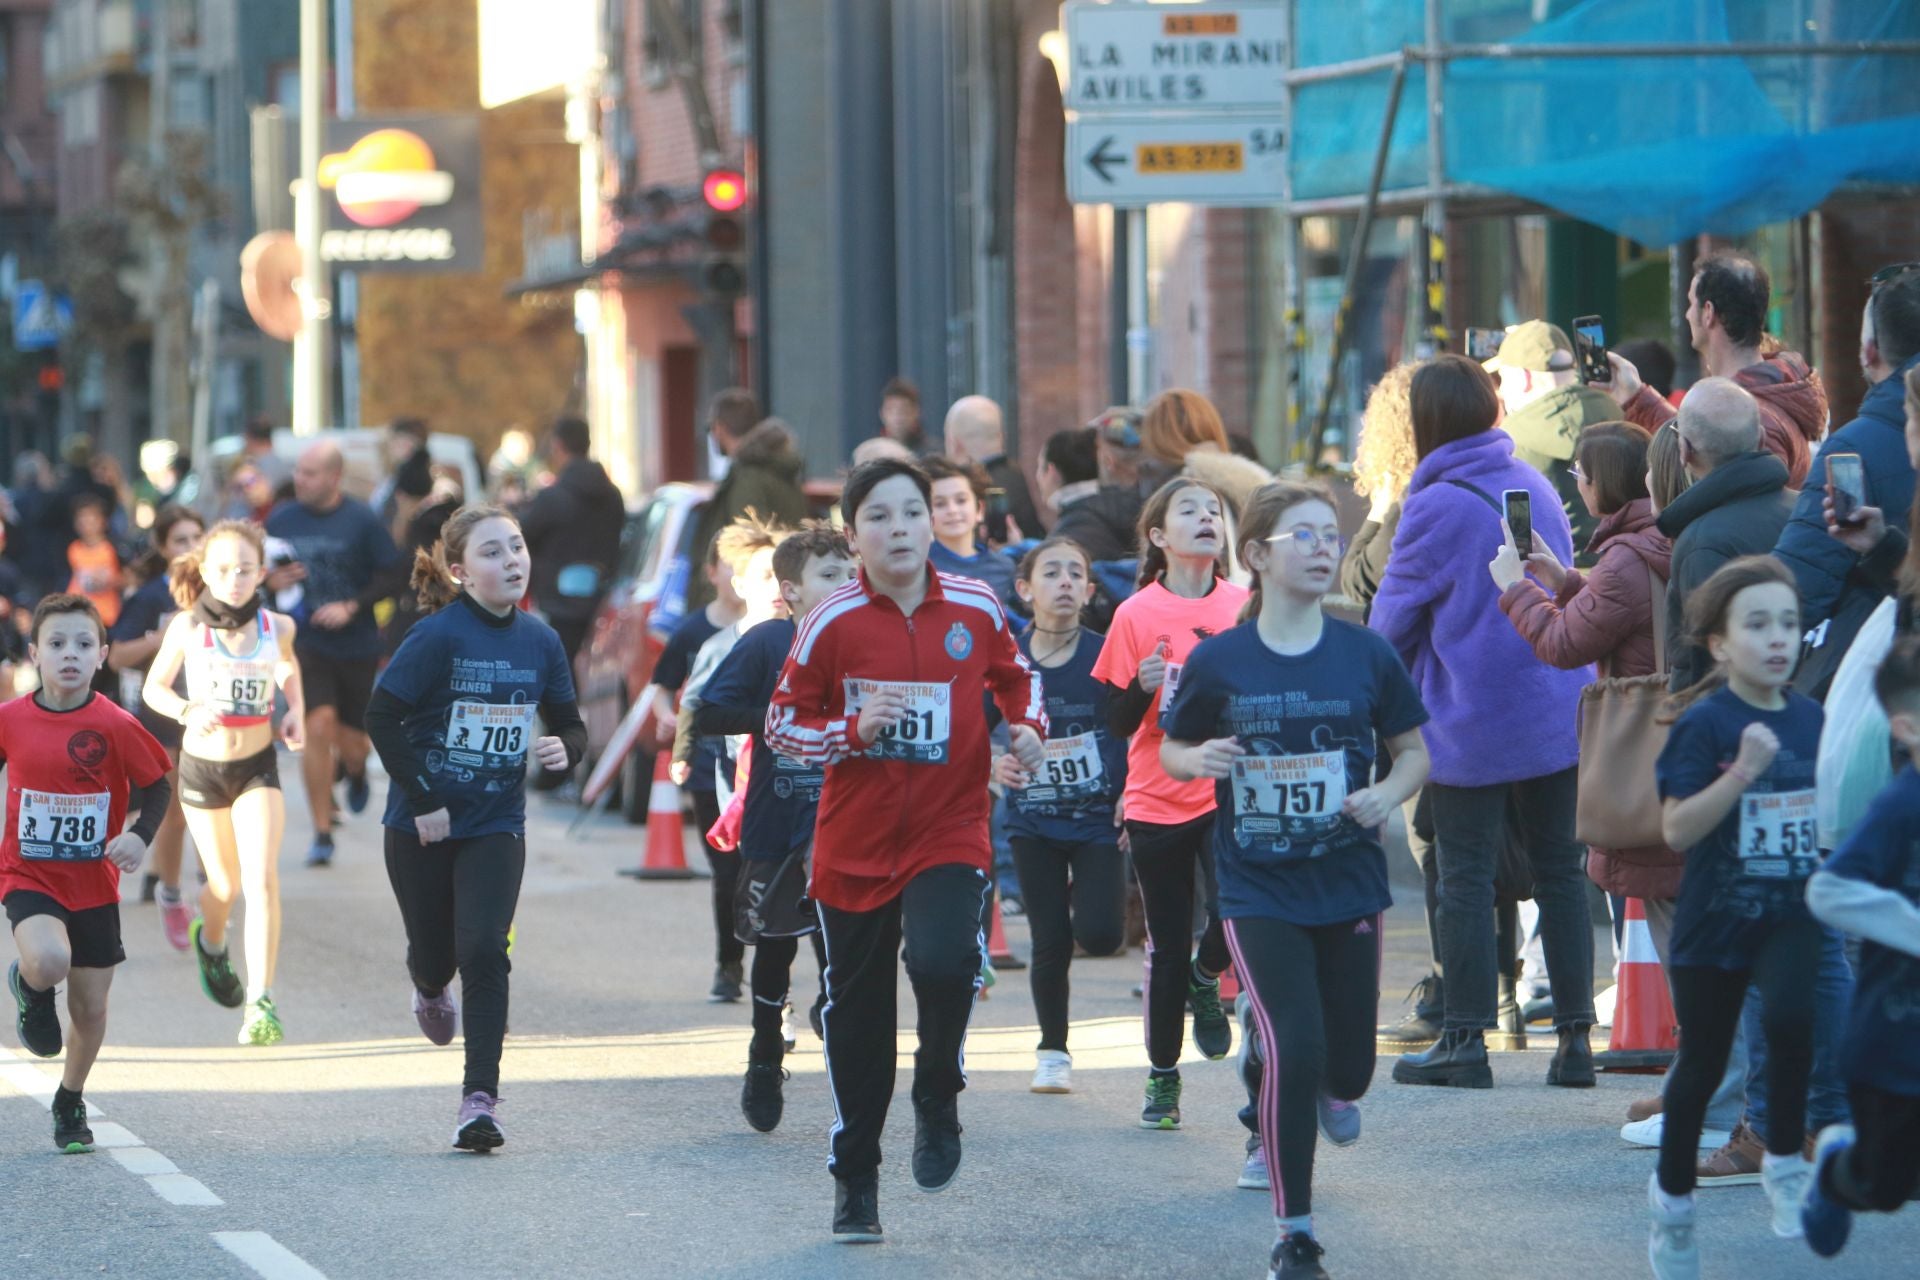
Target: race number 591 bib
{"type": "Point", "coordinates": [918, 737]}
{"type": "Point", "coordinates": [63, 828]}
{"type": "Point", "coordinates": [1278, 799]}
{"type": "Point", "coordinates": [1779, 835]}
{"type": "Point", "coordinates": [1073, 772]}
{"type": "Point", "coordinates": [489, 735]}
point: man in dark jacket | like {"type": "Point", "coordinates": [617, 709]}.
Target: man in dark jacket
{"type": "Point", "coordinates": [1101, 518]}
{"type": "Point", "coordinates": [764, 470]}
{"type": "Point", "coordinates": [1834, 599]}
{"type": "Point", "coordinates": [573, 531]}
{"type": "Point", "coordinates": [1736, 507]}
{"type": "Point", "coordinates": [976, 432]}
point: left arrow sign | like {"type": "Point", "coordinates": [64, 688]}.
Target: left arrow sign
{"type": "Point", "coordinates": [1100, 159]}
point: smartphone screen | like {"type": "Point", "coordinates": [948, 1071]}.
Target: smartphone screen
{"type": "Point", "coordinates": [1590, 349]}
{"type": "Point", "coordinates": [1519, 508]}
{"type": "Point", "coordinates": [996, 515]}
{"type": "Point", "coordinates": [1484, 344]}
{"type": "Point", "coordinates": [1847, 486]}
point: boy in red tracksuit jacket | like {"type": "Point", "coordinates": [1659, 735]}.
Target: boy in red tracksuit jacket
{"type": "Point", "coordinates": [883, 687]}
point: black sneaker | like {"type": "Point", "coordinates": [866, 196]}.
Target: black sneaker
{"type": "Point", "coordinates": [1572, 1065]}
{"type": "Point", "coordinates": [761, 1099]}
{"type": "Point", "coordinates": [217, 977]}
{"type": "Point", "coordinates": [727, 980]}
{"type": "Point", "coordinates": [36, 1022]}
{"type": "Point", "coordinates": [856, 1210]}
{"type": "Point", "coordinates": [1212, 1029]}
{"type": "Point", "coordinates": [1458, 1058]}
{"type": "Point", "coordinates": [936, 1144]}
{"type": "Point", "coordinates": [70, 1131]}
{"type": "Point", "coordinates": [1162, 1110]}
{"type": "Point", "coordinates": [1422, 1024]}
{"type": "Point", "coordinates": [1298, 1258]}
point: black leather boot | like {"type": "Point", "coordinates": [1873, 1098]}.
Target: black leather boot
{"type": "Point", "coordinates": [1510, 1036]}
{"type": "Point", "coordinates": [1422, 1024]}
{"type": "Point", "coordinates": [1572, 1065]}
{"type": "Point", "coordinates": [1457, 1058]}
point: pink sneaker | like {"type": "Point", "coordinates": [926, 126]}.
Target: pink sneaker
{"type": "Point", "coordinates": [479, 1128]}
{"type": "Point", "coordinates": [436, 1015]}
{"type": "Point", "coordinates": [175, 920]}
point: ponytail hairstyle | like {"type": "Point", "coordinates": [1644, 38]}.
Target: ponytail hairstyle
{"type": "Point", "coordinates": [154, 563]}
{"type": "Point", "coordinates": [1262, 520]}
{"type": "Point", "coordinates": [1708, 610]}
{"type": "Point", "coordinates": [433, 581]}
{"type": "Point", "coordinates": [1153, 560]}
{"type": "Point", "coordinates": [184, 582]}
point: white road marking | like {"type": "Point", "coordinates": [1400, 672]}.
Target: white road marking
{"type": "Point", "coordinates": [142, 1162]}
{"type": "Point", "coordinates": [269, 1259]}
{"type": "Point", "coordinates": [178, 1188]}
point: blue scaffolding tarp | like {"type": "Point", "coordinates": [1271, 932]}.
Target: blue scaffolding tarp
{"type": "Point", "coordinates": [1654, 148]}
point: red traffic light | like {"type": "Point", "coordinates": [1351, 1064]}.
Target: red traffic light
{"type": "Point", "coordinates": [725, 190]}
{"type": "Point", "coordinates": [52, 378]}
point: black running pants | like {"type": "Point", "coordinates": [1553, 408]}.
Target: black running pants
{"type": "Point", "coordinates": [1881, 1171]}
{"type": "Point", "coordinates": [1166, 860]}
{"type": "Point", "coordinates": [772, 978]}
{"type": "Point", "coordinates": [1073, 893]}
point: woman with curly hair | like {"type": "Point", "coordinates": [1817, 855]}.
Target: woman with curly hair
{"type": "Point", "coordinates": [1382, 467]}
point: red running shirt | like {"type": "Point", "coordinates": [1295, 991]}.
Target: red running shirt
{"type": "Point", "coordinates": [68, 777]}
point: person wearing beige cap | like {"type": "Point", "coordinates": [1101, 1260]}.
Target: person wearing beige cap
{"type": "Point", "coordinates": [1547, 409]}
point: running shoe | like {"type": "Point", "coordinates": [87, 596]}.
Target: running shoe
{"type": "Point", "coordinates": [856, 1210]}
{"type": "Point", "coordinates": [359, 791]}
{"type": "Point", "coordinates": [936, 1144]}
{"type": "Point", "coordinates": [436, 1015]}
{"type": "Point", "coordinates": [1253, 1174]}
{"type": "Point", "coordinates": [36, 1021]}
{"type": "Point", "coordinates": [1823, 1220]}
{"type": "Point", "coordinates": [726, 984]}
{"type": "Point", "coordinates": [1785, 1182]}
{"type": "Point", "coordinates": [1339, 1121]}
{"type": "Point", "coordinates": [217, 977]}
{"type": "Point", "coordinates": [762, 1100]}
{"type": "Point", "coordinates": [479, 1127]}
{"type": "Point", "coordinates": [1163, 1101]}
{"type": "Point", "coordinates": [1052, 1072]}
{"type": "Point", "coordinates": [1646, 1133]}
{"type": "Point", "coordinates": [320, 852]}
{"type": "Point", "coordinates": [175, 920]}
{"type": "Point", "coordinates": [816, 1014]}
{"type": "Point", "coordinates": [1298, 1258]}
{"type": "Point", "coordinates": [1212, 1029]}
{"type": "Point", "coordinates": [260, 1024]}
{"type": "Point", "coordinates": [70, 1131]}
{"type": "Point", "coordinates": [1670, 1246]}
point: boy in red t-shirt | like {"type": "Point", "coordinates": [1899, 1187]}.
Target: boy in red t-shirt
{"type": "Point", "coordinates": [76, 765]}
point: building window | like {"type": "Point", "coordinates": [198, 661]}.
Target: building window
{"type": "Point", "coordinates": [654, 45]}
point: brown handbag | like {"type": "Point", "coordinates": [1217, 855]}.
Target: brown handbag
{"type": "Point", "coordinates": [1621, 738]}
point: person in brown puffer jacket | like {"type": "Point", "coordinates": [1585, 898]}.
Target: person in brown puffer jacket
{"type": "Point", "coordinates": [1604, 616]}
{"type": "Point", "coordinates": [1726, 315]}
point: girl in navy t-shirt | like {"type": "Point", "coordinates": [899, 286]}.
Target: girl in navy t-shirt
{"type": "Point", "coordinates": [1737, 788]}
{"type": "Point", "coordinates": [1282, 712]}
{"type": "Point", "coordinates": [1063, 823]}
{"type": "Point", "coordinates": [453, 720]}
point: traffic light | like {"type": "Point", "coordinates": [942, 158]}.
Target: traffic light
{"type": "Point", "coordinates": [723, 268]}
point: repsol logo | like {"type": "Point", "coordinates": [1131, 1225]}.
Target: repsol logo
{"type": "Point", "coordinates": [411, 244]}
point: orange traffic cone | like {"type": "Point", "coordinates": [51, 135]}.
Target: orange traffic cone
{"type": "Point", "coordinates": [999, 954]}
{"type": "Point", "coordinates": [666, 857]}
{"type": "Point", "coordinates": [1643, 1038]}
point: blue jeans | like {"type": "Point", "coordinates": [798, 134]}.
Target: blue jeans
{"type": "Point", "coordinates": [1826, 1092]}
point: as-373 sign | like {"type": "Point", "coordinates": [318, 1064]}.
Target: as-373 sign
{"type": "Point", "coordinates": [1225, 160]}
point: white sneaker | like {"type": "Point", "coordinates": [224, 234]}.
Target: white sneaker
{"type": "Point", "coordinates": [1786, 1186]}
{"type": "Point", "coordinates": [1670, 1246]}
{"type": "Point", "coordinates": [1646, 1133]}
{"type": "Point", "coordinates": [1052, 1072]}
{"type": "Point", "coordinates": [1603, 1006]}
{"type": "Point", "coordinates": [1254, 1175]}
{"type": "Point", "coordinates": [789, 1029]}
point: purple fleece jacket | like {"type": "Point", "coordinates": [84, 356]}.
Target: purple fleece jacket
{"type": "Point", "coordinates": [1499, 713]}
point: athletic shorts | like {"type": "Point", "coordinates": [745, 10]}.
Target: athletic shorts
{"type": "Point", "coordinates": [771, 899]}
{"type": "Point", "coordinates": [216, 784]}
{"type": "Point", "coordinates": [93, 934]}
{"type": "Point", "coordinates": [345, 684]}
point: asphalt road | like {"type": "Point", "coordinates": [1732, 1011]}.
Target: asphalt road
{"type": "Point", "coordinates": [328, 1155]}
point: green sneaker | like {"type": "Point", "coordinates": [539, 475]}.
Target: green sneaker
{"type": "Point", "coordinates": [70, 1131]}
{"type": "Point", "coordinates": [1163, 1101]}
{"type": "Point", "coordinates": [217, 977]}
{"type": "Point", "coordinates": [1212, 1029]}
{"type": "Point", "coordinates": [262, 1023]}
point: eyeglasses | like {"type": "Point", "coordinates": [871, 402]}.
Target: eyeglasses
{"type": "Point", "coordinates": [1576, 472]}
{"type": "Point", "coordinates": [1307, 541]}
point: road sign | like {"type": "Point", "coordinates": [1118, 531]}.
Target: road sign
{"type": "Point", "coordinates": [1209, 159]}
{"type": "Point", "coordinates": [40, 317]}
{"type": "Point", "coordinates": [1132, 58]}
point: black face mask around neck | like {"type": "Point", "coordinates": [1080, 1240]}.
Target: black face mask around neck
{"type": "Point", "coordinates": [225, 617]}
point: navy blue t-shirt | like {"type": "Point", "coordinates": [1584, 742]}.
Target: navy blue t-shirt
{"type": "Point", "coordinates": [474, 689]}
{"type": "Point", "coordinates": [671, 672]}
{"type": "Point", "coordinates": [1283, 847]}
{"type": "Point", "coordinates": [783, 794]}
{"type": "Point", "coordinates": [1072, 801]}
{"type": "Point", "coordinates": [344, 550]}
{"type": "Point", "coordinates": [139, 614]}
{"type": "Point", "coordinates": [1882, 1043]}
{"type": "Point", "coordinates": [1750, 875]}
{"type": "Point", "coordinates": [984, 565]}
